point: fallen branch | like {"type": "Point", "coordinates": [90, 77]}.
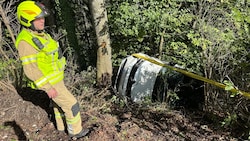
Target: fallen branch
{"type": "Point", "coordinates": [8, 86]}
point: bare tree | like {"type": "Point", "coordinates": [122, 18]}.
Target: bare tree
{"type": "Point", "coordinates": [8, 29]}
{"type": "Point", "coordinates": [8, 17]}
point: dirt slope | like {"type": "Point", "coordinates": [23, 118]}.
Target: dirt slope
{"type": "Point", "coordinates": [26, 115]}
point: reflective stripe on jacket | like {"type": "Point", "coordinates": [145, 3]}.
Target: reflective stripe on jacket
{"type": "Point", "coordinates": [47, 59]}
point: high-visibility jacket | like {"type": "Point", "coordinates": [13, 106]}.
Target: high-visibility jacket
{"type": "Point", "coordinates": [47, 58]}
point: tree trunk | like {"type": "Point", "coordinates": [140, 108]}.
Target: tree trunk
{"type": "Point", "coordinates": [104, 63]}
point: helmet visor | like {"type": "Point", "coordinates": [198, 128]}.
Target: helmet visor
{"type": "Point", "coordinates": [45, 12]}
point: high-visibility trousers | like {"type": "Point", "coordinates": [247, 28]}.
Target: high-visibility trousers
{"type": "Point", "coordinates": [66, 110]}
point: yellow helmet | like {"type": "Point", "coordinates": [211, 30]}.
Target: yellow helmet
{"type": "Point", "coordinates": [27, 11]}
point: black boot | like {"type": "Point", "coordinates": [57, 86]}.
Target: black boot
{"type": "Point", "coordinates": [83, 133]}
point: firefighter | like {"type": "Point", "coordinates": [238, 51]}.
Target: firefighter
{"type": "Point", "coordinates": [44, 65]}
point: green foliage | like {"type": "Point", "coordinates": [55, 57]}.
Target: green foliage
{"type": "Point", "coordinates": [190, 36]}
{"type": "Point", "coordinates": [207, 37]}
{"type": "Point", "coordinates": [79, 82]}
{"type": "Point", "coordinates": [141, 24]}
{"type": "Point", "coordinates": [6, 67]}
{"type": "Point", "coordinates": [229, 120]}
{"type": "Point", "coordinates": [69, 20]}
{"type": "Point", "coordinates": [241, 17]}
{"type": "Point", "coordinates": [172, 97]}
{"type": "Point", "coordinates": [230, 86]}
{"type": "Point", "coordinates": [2, 68]}
{"type": "Point", "coordinates": [118, 101]}
{"type": "Point", "coordinates": [132, 25]}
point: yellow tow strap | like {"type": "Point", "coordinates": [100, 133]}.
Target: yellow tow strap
{"type": "Point", "coordinates": [192, 75]}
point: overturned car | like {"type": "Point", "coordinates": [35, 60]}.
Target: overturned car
{"type": "Point", "coordinates": [139, 79]}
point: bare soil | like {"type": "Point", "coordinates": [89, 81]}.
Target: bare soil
{"type": "Point", "coordinates": [26, 116]}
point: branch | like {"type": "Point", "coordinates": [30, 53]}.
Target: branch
{"type": "Point", "coordinates": [7, 23]}
{"type": "Point", "coordinates": [8, 86]}
{"type": "Point", "coordinates": [161, 43]}
{"type": "Point", "coordinates": [6, 20]}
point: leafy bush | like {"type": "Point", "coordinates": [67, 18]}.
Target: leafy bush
{"type": "Point", "coordinates": [210, 38]}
